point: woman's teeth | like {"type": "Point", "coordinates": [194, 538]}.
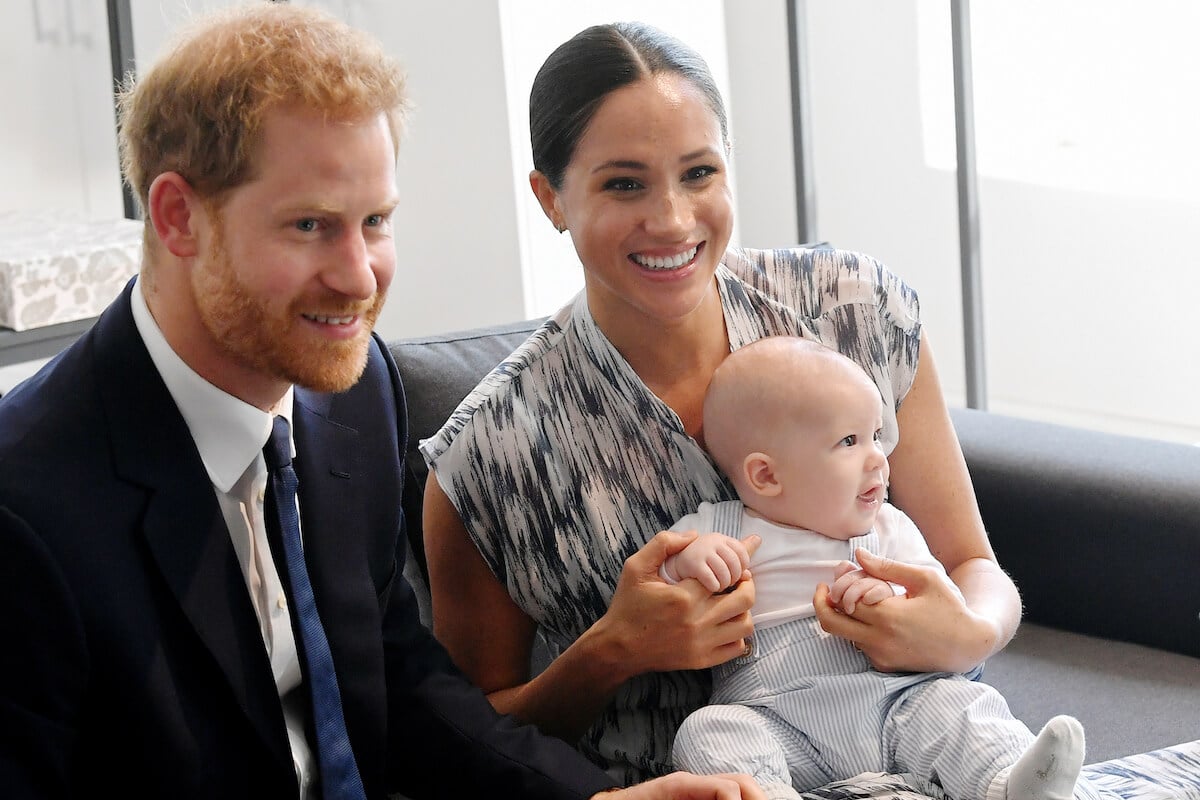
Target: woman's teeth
{"type": "Point", "coordinates": [666, 262]}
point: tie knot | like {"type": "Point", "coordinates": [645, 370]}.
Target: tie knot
{"type": "Point", "coordinates": [278, 449]}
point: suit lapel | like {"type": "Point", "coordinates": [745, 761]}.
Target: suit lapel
{"type": "Point", "coordinates": [188, 539]}
{"type": "Point", "coordinates": [337, 533]}
{"type": "Point", "coordinates": [325, 466]}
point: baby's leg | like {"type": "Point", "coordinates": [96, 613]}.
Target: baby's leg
{"type": "Point", "coordinates": [954, 732]}
{"type": "Point", "coordinates": [734, 738]}
{"type": "Point", "coordinates": [1049, 768]}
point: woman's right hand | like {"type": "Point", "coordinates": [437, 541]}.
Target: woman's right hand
{"type": "Point", "coordinates": [655, 626]}
{"type": "Point", "coordinates": [649, 626]}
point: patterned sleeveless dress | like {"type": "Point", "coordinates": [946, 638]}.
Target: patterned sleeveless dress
{"type": "Point", "coordinates": [561, 463]}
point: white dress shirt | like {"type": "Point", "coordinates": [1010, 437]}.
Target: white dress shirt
{"type": "Point", "coordinates": [229, 435]}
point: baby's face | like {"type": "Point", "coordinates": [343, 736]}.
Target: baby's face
{"type": "Point", "coordinates": [832, 466]}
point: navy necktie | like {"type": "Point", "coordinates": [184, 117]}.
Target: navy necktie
{"type": "Point", "coordinates": [339, 774]}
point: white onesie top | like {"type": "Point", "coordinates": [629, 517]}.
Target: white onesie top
{"type": "Point", "coordinates": [790, 562]}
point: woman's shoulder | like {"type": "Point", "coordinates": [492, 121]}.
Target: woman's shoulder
{"type": "Point", "coordinates": [817, 278]}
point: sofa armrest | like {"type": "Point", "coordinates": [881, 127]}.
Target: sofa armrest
{"type": "Point", "coordinates": [1101, 532]}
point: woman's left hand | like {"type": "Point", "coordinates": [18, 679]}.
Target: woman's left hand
{"type": "Point", "coordinates": [930, 629]}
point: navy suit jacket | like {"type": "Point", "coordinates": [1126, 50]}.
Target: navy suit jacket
{"type": "Point", "coordinates": [131, 658]}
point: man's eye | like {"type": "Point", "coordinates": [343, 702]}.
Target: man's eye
{"type": "Point", "coordinates": [375, 220]}
{"type": "Point", "coordinates": [307, 225]}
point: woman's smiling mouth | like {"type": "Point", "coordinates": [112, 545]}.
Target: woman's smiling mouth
{"type": "Point", "coordinates": [664, 263]}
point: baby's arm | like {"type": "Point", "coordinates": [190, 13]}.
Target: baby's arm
{"type": "Point", "coordinates": [716, 560]}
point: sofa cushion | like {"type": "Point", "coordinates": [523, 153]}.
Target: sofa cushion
{"type": "Point", "coordinates": [438, 372]}
{"type": "Point", "coordinates": [1130, 698]}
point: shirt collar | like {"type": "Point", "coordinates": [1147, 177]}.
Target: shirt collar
{"type": "Point", "coordinates": [229, 433]}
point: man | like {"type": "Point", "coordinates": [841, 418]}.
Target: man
{"type": "Point", "coordinates": [157, 635]}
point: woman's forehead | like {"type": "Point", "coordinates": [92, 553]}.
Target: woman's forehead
{"type": "Point", "coordinates": [663, 110]}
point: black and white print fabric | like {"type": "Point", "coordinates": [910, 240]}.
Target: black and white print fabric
{"type": "Point", "coordinates": [562, 463]}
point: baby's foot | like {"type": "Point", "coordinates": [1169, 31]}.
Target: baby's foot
{"type": "Point", "coordinates": [1049, 768]}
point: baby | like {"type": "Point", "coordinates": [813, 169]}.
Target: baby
{"type": "Point", "coordinates": [796, 427]}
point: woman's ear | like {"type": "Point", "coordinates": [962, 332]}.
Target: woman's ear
{"type": "Point", "coordinates": [547, 196]}
{"type": "Point", "coordinates": [759, 470]}
{"type": "Point", "coordinates": [172, 207]}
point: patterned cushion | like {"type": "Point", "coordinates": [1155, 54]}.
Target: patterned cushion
{"type": "Point", "coordinates": [58, 268]}
{"type": "Point", "coordinates": [1172, 773]}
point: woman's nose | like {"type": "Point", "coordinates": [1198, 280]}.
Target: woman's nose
{"type": "Point", "coordinates": [671, 215]}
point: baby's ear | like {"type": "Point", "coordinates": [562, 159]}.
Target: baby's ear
{"type": "Point", "coordinates": [759, 470]}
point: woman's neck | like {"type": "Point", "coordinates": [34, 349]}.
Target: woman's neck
{"type": "Point", "coordinates": [663, 351]}
{"type": "Point", "coordinates": [675, 359]}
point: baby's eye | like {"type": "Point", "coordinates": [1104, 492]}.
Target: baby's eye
{"type": "Point", "coordinates": [878, 435]}
{"type": "Point", "coordinates": [849, 441]}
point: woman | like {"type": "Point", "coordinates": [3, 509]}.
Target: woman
{"type": "Point", "coordinates": [551, 485]}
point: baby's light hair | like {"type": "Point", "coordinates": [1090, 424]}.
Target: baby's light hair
{"type": "Point", "coordinates": [762, 385]}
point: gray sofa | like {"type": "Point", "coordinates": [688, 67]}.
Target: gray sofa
{"type": "Point", "coordinates": [1100, 532]}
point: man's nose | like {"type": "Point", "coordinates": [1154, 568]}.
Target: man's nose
{"type": "Point", "coordinates": [351, 272]}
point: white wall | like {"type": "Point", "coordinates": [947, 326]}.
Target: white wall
{"type": "Point", "coordinates": [1089, 273]}
{"type": "Point", "coordinates": [58, 142]}
{"type": "Point", "coordinates": [478, 267]}
{"type": "Point", "coordinates": [1087, 292]}
{"type": "Point", "coordinates": [551, 271]}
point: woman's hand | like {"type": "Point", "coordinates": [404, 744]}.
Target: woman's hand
{"type": "Point", "coordinates": [654, 626]}
{"type": "Point", "coordinates": [931, 629]}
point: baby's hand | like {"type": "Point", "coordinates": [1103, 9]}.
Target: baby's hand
{"type": "Point", "coordinates": [716, 560]}
{"type": "Point", "coordinates": [853, 586]}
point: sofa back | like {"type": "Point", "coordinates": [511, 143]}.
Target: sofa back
{"type": "Point", "coordinates": [1100, 532]}
{"type": "Point", "coordinates": [438, 372]}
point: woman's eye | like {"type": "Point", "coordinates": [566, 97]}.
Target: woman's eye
{"type": "Point", "coordinates": [622, 185]}
{"type": "Point", "coordinates": [699, 173]}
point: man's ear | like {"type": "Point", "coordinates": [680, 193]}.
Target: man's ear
{"type": "Point", "coordinates": [759, 469]}
{"type": "Point", "coordinates": [174, 209]}
{"type": "Point", "coordinates": [547, 196]}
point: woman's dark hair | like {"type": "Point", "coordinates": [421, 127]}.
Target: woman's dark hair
{"type": "Point", "coordinates": [581, 72]}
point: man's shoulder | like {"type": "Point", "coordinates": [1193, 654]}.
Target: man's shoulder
{"type": "Point", "coordinates": [52, 403]}
{"type": "Point", "coordinates": [376, 397]}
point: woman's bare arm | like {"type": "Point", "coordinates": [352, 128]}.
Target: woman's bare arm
{"type": "Point", "coordinates": [650, 626]}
